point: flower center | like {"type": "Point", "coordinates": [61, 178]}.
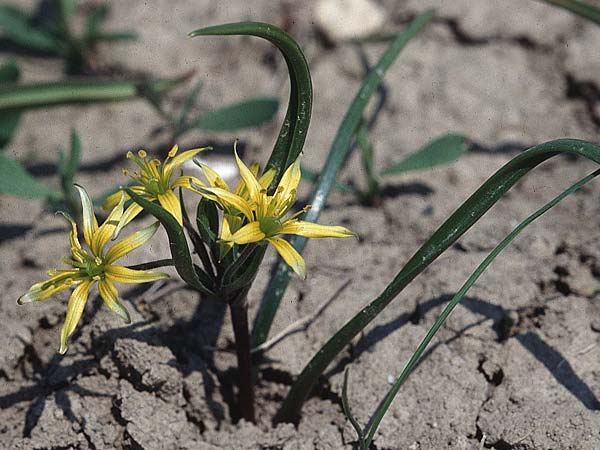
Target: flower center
{"type": "Point", "coordinates": [94, 267]}
{"type": "Point", "coordinates": [270, 225]}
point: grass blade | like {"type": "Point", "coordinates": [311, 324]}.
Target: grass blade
{"type": "Point", "coordinates": [246, 114]}
{"type": "Point", "coordinates": [442, 150]}
{"type": "Point", "coordinates": [460, 295]}
{"type": "Point", "coordinates": [9, 120]}
{"type": "Point", "coordinates": [16, 26]}
{"type": "Point", "coordinates": [454, 227]}
{"type": "Point", "coordinates": [295, 125]}
{"type": "Point", "coordinates": [50, 94]}
{"type": "Point", "coordinates": [177, 242]}
{"type": "Point", "coordinates": [582, 9]}
{"type": "Point", "coordinates": [337, 153]}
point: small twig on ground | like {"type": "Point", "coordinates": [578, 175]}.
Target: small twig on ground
{"type": "Point", "coordinates": [295, 327]}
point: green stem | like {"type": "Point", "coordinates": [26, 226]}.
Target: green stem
{"type": "Point", "coordinates": [152, 264]}
{"type": "Point", "coordinates": [239, 319]}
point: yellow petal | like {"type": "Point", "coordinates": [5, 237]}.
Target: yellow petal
{"type": "Point", "coordinates": [266, 178]}
{"type": "Point", "coordinates": [290, 179]}
{"type": "Point", "coordinates": [45, 289]}
{"type": "Point", "coordinates": [214, 179]}
{"type": "Point", "coordinates": [248, 233]}
{"type": "Point", "coordinates": [170, 202]}
{"type": "Point", "coordinates": [112, 200]}
{"type": "Point", "coordinates": [76, 250]}
{"type": "Point", "coordinates": [130, 213]}
{"type": "Point", "coordinates": [314, 230]}
{"type": "Point", "coordinates": [289, 255]}
{"type": "Point", "coordinates": [90, 224]}
{"type": "Point", "coordinates": [229, 200]}
{"type": "Point", "coordinates": [120, 274]}
{"type": "Point", "coordinates": [185, 181]}
{"type": "Point", "coordinates": [130, 243]}
{"type": "Point", "coordinates": [74, 310]}
{"type": "Point", "coordinates": [107, 229]}
{"type": "Point", "coordinates": [109, 294]}
{"type": "Point", "coordinates": [249, 179]}
{"type": "Point", "coordinates": [180, 159]}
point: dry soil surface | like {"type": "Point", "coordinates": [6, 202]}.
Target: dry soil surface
{"type": "Point", "coordinates": [515, 367]}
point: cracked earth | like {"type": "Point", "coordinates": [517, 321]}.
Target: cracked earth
{"type": "Point", "coordinates": [514, 367]}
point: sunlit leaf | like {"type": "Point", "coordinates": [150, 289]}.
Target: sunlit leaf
{"type": "Point", "coordinates": [15, 180]}
{"type": "Point", "coordinates": [246, 114]}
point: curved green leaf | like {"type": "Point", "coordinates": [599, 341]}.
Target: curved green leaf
{"type": "Point", "coordinates": [15, 180]}
{"type": "Point", "coordinates": [454, 227]}
{"type": "Point", "coordinates": [177, 242]}
{"type": "Point", "coordinates": [387, 401]}
{"type": "Point", "coordinates": [337, 153]}
{"type": "Point", "coordinates": [246, 114]}
{"type": "Point", "coordinates": [295, 125]}
{"type": "Point", "coordinates": [442, 150]}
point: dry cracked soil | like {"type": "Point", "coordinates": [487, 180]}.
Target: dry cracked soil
{"type": "Point", "coordinates": [515, 367]}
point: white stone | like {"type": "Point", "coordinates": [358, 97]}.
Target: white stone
{"type": "Point", "coordinates": [341, 20]}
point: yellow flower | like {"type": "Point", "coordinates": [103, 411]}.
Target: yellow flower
{"type": "Point", "coordinates": [153, 182]}
{"type": "Point", "coordinates": [93, 265]}
{"type": "Point", "coordinates": [264, 214]}
{"type": "Point", "coordinates": [232, 220]}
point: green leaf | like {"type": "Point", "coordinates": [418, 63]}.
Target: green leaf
{"type": "Point", "coordinates": [246, 114]}
{"type": "Point", "coordinates": [297, 118]}
{"type": "Point", "coordinates": [9, 120]}
{"type": "Point", "coordinates": [313, 177]}
{"type": "Point", "coordinates": [582, 9]}
{"type": "Point", "coordinates": [15, 180]}
{"type": "Point", "coordinates": [387, 401]}
{"type": "Point", "coordinates": [42, 95]}
{"type": "Point", "coordinates": [442, 150]}
{"type": "Point", "coordinates": [15, 25]}
{"type": "Point", "coordinates": [337, 153]}
{"type": "Point", "coordinates": [348, 412]}
{"type": "Point", "coordinates": [189, 103]}
{"type": "Point", "coordinates": [207, 220]}
{"type": "Point", "coordinates": [9, 72]}
{"type": "Point", "coordinates": [94, 22]}
{"type": "Point", "coordinates": [452, 229]}
{"type": "Point", "coordinates": [177, 242]}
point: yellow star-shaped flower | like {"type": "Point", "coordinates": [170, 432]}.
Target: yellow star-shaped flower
{"type": "Point", "coordinates": [153, 182]}
{"type": "Point", "coordinates": [94, 265]}
{"type": "Point", "coordinates": [264, 215]}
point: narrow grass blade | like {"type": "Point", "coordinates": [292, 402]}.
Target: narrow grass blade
{"type": "Point", "coordinates": [459, 296]}
{"type": "Point", "coordinates": [15, 180]}
{"type": "Point", "coordinates": [337, 153]}
{"type": "Point", "coordinates": [50, 94]}
{"type": "Point", "coordinates": [16, 26]}
{"type": "Point", "coordinates": [9, 120]}
{"type": "Point", "coordinates": [582, 9]}
{"type": "Point", "coordinates": [177, 242]}
{"type": "Point", "coordinates": [247, 114]}
{"type": "Point", "coordinates": [454, 227]}
{"type": "Point", "coordinates": [313, 177]}
{"type": "Point", "coordinates": [348, 412]}
{"type": "Point", "coordinates": [295, 125]}
{"type": "Point", "coordinates": [442, 150]}
{"type": "Point", "coordinates": [189, 103]}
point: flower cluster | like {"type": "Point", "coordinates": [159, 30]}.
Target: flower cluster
{"type": "Point", "coordinates": [250, 215]}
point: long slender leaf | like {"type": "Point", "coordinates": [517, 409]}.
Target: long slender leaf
{"type": "Point", "coordinates": [295, 125]}
{"type": "Point", "coordinates": [454, 227]}
{"type": "Point", "coordinates": [442, 150]}
{"type": "Point", "coordinates": [51, 94]}
{"type": "Point", "coordinates": [15, 180]}
{"type": "Point", "coordinates": [459, 296]}
{"type": "Point", "coordinates": [337, 153]}
{"type": "Point", "coordinates": [249, 113]}
{"type": "Point", "coordinates": [180, 252]}
{"type": "Point", "coordinates": [582, 9]}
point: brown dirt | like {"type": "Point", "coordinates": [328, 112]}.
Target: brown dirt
{"type": "Point", "coordinates": [517, 362]}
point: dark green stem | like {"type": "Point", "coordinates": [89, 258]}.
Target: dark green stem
{"type": "Point", "coordinates": [239, 319]}
{"type": "Point", "coordinates": [152, 264]}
